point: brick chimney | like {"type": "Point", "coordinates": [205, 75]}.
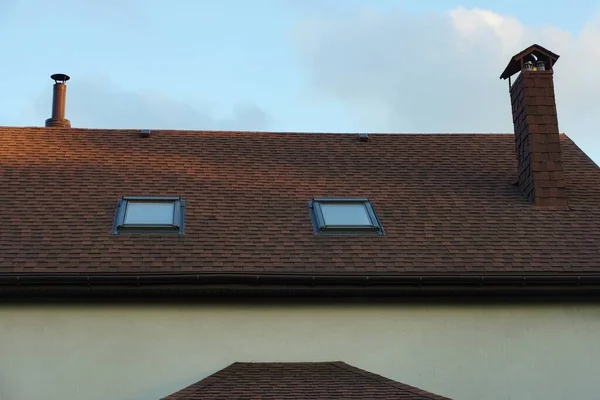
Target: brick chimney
{"type": "Point", "coordinates": [58, 102]}
{"type": "Point", "coordinates": [539, 159]}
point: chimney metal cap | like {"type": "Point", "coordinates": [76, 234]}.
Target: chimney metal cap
{"type": "Point", "coordinates": [532, 53]}
{"type": "Point", "coordinates": [60, 78]}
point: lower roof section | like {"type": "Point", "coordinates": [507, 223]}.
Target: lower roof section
{"type": "Point", "coordinates": [305, 380]}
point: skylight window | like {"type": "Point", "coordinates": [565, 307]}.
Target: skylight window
{"type": "Point", "coordinates": [344, 216]}
{"type": "Point", "coordinates": [145, 214]}
{"type": "Point", "coordinates": [149, 212]}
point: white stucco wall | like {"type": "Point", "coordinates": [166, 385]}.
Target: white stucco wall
{"type": "Point", "coordinates": [136, 352]}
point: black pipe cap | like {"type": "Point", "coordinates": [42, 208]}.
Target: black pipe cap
{"type": "Point", "coordinates": [62, 78]}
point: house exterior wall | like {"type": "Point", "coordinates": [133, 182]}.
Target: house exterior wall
{"type": "Point", "coordinates": [143, 352]}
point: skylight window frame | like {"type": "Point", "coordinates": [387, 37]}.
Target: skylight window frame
{"type": "Point", "coordinates": [177, 227]}
{"type": "Point", "coordinates": [321, 228]}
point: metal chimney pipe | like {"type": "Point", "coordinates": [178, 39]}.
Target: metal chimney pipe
{"type": "Point", "coordinates": [58, 102]}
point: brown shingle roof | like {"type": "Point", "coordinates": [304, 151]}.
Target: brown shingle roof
{"type": "Point", "coordinates": [446, 202]}
{"type": "Point", "coordinates": [321, 380]}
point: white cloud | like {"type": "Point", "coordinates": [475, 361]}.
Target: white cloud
{"type": "Point", "coordinates": [439, 72]}
{"type": "Point", "coordinates": [468, 25]}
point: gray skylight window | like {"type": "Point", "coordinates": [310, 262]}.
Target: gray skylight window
{"type": "Point", "coordinates": [355, 214]}
{"type": "Point", "coordinates": [149, 214]}
{"type": "Point", "coordinates": [344, 216]}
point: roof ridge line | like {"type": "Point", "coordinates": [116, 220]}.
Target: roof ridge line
{"type": "Point", "coordinates": [170, 130]}
{"type": "Point", "coordinates": [386, 381]}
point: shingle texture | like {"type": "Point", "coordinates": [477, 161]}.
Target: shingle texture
{"type": "Point", "coordinates": [323, 380]}
{"type": "Point", "coordinates": [446, 201]}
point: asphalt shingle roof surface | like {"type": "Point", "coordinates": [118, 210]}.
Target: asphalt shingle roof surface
{"type": "Point", "coordinates": [446, 202]}
{"type": "Point", "coordinates": [321, 380]}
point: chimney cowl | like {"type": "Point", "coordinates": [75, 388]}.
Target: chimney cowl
{"type": "Point", "coordinates": [58, 102]}
{"type": "Point", "coordinates": [533, 54]}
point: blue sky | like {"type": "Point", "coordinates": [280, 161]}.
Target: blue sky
{"type": "Point", "coordinates": [294, 65]}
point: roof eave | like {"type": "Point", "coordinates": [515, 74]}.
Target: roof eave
{"type": "Point", "coordinates": [290, 284]}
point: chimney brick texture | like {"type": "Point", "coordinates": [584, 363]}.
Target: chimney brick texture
{"type": "Point", "coordinates": [537, 140]}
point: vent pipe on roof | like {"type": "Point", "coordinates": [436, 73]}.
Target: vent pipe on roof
{"type": "Point", "coordinates": [58, 102]}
